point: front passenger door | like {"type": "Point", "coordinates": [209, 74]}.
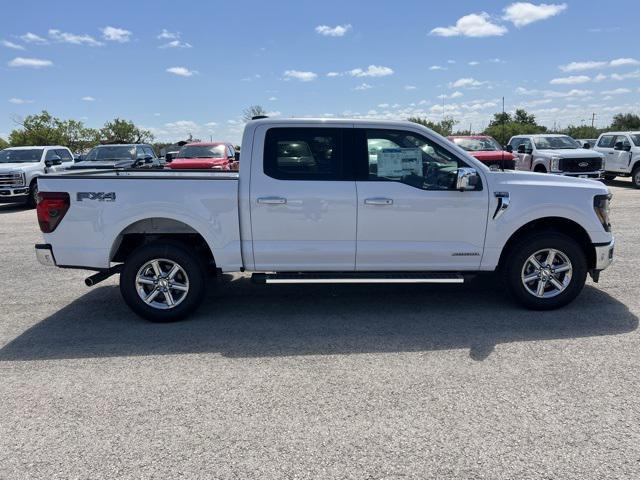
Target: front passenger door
{"type": "Point", "coordinates": [410, 216]}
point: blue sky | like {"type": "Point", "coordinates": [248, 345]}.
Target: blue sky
{"type": "Point", "coordinates": [191, 67]}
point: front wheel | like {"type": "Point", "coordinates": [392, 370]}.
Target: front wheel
{"type": "Point", "coordinates": [32, 200]}
{"type": "Point", "coordinates": [546, 271]}
{"type": "Point", "coordinates": [635, 177]}
{"type": "Point", "coordinates": [162, 282]}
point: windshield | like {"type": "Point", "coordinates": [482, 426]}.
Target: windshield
{"type": "Point", "coordinates": [636, 139]}
{"type": "Point", "coordinates": [110, 153]}
{"type": "Point", "coordinates": [202, 151]}
{"type": "Point", "coordinates": [556, 143]}
{"type": "Point", "coordinates": [20, 156]}
{"type": "Point", "coordinates": [486, 144]}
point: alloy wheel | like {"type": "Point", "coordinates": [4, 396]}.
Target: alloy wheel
{"type": "Point", "coordinates": [162, 283]}
{"type": "Point", "coordinates": [547, 273]}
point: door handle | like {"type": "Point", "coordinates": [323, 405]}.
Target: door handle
{"type": "Point", "coordinates": [378, 201]}
{"type": "Point", "coordinates": [272, 200]}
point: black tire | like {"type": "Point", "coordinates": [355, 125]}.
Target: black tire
{"type": "Point", "coordinates": [635, 177]}
{"type": "Point", "coordinates": [517, 262]}
{"type": "Point", "coordinates": [608, 178]}
{"type": "Point", "coordinates": [193, 276]}
{"type": "Point", "coordinates": [32, 201]}
{"type": "Point", "coordinates": [540, 169]}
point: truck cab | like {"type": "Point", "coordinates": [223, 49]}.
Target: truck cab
{"type": "Point", "coordinates": [21, 166]}
{"type": "Point", "coordinates": [621, 152]}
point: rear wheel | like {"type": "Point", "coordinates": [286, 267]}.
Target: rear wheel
{"type": "Point", "coordinates": [163, 282]}
{"type": "Point", "coordinates": [546, 271]}
{"type": "Point", "coordinates": [635, 177]}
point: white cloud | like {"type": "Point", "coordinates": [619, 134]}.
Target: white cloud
{"type": "Point", "coordinates": [435, 68]}
{"type": "Point", "coordinates": [33, 38]}
{"type": "Point", "coordinates": [182, 127]}
{"type": "Point", "coordinates": [363, 86]}
{"type": "Point", "coordinates": [456, 94]}
{"type": "Point", "coordinates": [371, 71]}
{"type": "Point", "coordinates": [176, 44]}
{"type": "Point", "coordinates": [623, 62]}
{"type": "Point", "coordinates": [211, 124]}
{"type": "Point", "coordinates": [570, 93]}
{"type": "Point", "coordinates": [466, 83]}
{"type": "Point", "coordinates": [88, 99]}
{"type": "Point", "coordinates": [181, 71]}
{"type": "Point", "coordinates": [273, 99]}
{"type": "Point", "coordinates": [66, 37]}
{"type": "Point", "coordinates": [474, 63]}
{"type": "Point", "coordinates": [114, 34]}
{"type": "Point", "coordinates": [14, 46]}
{"type": "Point", "coordinates": [410, 87]}
{"type": "Point", "coordinates": [524, 13]}
{"type": "Point", "coordinates": [451, 62]}
{"type": "Point", "coordinates": [19, 101]}
{"type": "Point", "coordinates": [300, 75]}
{"type": "Point", "coordinates": [626, 76]}
{"type": "Point", "coordinates": [580, 66]}
{"type": "Point", "coordinates": [473, 25]}
{"type": "Point", "coordinates": [617, 91]}
{"type": "Point", "coordinates": [30, 62]}
{"type": "Point", "coordinates": [333, 74]}
{"type": "Point", "coordinates": [572, 80]}
{"type": "Point", "coordinates": [337, 31]}
{"type": "Point", "coordinates": [599, 78]}
{"type": "Point", "coordinates": [167, 35]}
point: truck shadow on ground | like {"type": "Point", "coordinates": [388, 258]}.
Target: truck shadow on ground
{"type": "Point", "coordinates": [240, 319]}
{"type": "Point", "coordinates": [6, 208]}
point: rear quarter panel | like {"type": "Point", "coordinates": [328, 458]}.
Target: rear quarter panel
{"type": "Point", "coordinates": [86, 236]}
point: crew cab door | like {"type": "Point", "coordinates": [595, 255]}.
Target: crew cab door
{"type": "Point", "coordinates": [523, 150]}
{"type": "Point", "coordinates": [303, 199]}
{"type": "Point", "coordinates": [410, 217]}
{"type": "Point", "coordinates": [621, 157]}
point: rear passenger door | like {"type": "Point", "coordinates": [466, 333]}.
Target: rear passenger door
{"type": "Point", "coordinates": [605, 146]}
{"type": "Point", "coordinates": [303, 199]}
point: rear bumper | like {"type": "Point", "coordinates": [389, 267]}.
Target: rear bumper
{"type": "Point", "coordinates": [604, 255]}
{"type": "Point", "coordinates": [14, 194]}
{"type": "Point", "coordinates": [44, 254]}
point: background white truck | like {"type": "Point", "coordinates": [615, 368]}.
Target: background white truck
{"type": "Point", "coordinates": [621, 155]}
{"type": "Point", "coordinates": [339, 201]}
{"type": "Point", "coordinates": [21, 166]}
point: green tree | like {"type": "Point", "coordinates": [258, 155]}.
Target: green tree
{"type": "Point", "coordinates": [443, 127]}
{"type": "Point", "coordinates": [521, 116]}
{"type": "Point", "coordinates": [124, 131]}
{"type": "Point", "coordinates": [45, 129]}
{"type": "Point", "coordinates": [582, 131]}
{"type": "Point", "coordinates": [3, 143]}
{"type": "Point", "coordinates": [253, 111]}
{"type": "Point", "coordinates": [503, 126]}
{"type": "Point", "coordinates": [625, 121]}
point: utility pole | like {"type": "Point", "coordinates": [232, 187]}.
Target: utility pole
{"type": "Point", "coordinates": [593, 120]}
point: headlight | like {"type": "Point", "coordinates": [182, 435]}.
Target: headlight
{"type": "Point", "coordinates": [18, 178]}
{"type": "Point", "coordinates": [601, 205]}
{"type": "Point", "coordinates": [555, 164]}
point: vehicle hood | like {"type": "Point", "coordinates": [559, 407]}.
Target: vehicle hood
{"type": "Point", "coordinates": [102, 164]}
{"type": "Point", "coordinates": [490, 156]}
{"type": "Point", "coordinates": [12, 167]}
{"type": "Point", "coordinates": [521, 179]}
{"type": "Point", "coordinates": [574, 153]}
{"type": "Point", "coordinates": [198, 162]}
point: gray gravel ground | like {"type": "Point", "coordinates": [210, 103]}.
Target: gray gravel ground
{"type": "Point", "coordinates": [281, 382]}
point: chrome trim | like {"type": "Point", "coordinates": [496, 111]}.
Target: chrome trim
{"type": "Point", "coordinates": [365, 280]}
{"type": "Point", "coordinates": [503, 203]}
{"type": "Point", "coordinates": [463, 182]}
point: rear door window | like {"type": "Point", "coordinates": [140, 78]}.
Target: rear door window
{"type": "Point", "coordinates": [306, 154]}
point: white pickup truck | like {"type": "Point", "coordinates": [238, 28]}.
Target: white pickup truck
{"type": "Point", "coordinates": [328, 201]}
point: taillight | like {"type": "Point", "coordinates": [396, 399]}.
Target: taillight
{"type": "Point", "coordinates": [52, 207]}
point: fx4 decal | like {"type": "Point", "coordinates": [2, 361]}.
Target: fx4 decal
{"type": "Point", "coordinates": [99, 196]}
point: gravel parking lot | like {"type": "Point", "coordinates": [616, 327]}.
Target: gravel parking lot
{"type": "Point", "coordinates": [318, 382]}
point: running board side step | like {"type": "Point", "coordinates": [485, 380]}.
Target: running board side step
{"type": "Point", "coordinates": [357, 277]}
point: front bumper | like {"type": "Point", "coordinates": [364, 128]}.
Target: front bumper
{"type": "Point", "coordinates": [44, 254]}
{"type": "Point", "coordinates": [14, 194]}
{"type": "Point", "coordinates": [604, 255]}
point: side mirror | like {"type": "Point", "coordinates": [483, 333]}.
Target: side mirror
{"type": "Point", "coordinates": [586, 145]}
{"type": "Point", "coordinates": [237, 156]}
{"type": "Point", "coordinates": [468, 179]}
{"type": "Point", "coordinates": [168, 157]}
{"type": "Point", "coordinates": [148, 159]}
{"type": "Point", "coordinates": [509, 148]}
{"type": "Point", "coordinates": [618, 146]}
{"type": "Point", "coordinates": [53, 161]}
{"type": "Point", "coordinates": [79, 158]}
{"type": "Point", "coordinates": [627, 148]}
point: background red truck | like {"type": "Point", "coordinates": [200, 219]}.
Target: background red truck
{"type": "Point", "coordinates": [203, 155]}
{"type": "Point", "coordinates": [487, 150]}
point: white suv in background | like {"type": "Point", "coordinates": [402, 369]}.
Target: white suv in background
{"type": "Point", "coordinates": [621, 155]}
{"type": "Point", "coordinates": [21, 166]}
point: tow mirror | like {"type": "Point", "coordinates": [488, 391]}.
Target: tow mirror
{"type": "Point", "coordinates": [53, 162]}
{"type": "Point", "coordinates": [618, 146]}
{"type": "Point", "coordinates": [627, 148]}
{"type": "Point", "coordinates": [467, 179]}
{"type": "Point", "coordinates": [148, 159]}
{"type": "Point", "coordinates": [522, 149]}
{"type": "Point", "coordinates": [586, 145]}
{"type": "Point", "coordinates": [237, 156]}
{"type": "Point", "coordinates": [509, 148]}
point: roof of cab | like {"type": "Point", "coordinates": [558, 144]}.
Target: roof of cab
{"type": "Point", "coordinates": [31, 147]}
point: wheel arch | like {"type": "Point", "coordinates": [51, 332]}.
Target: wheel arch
{"type": "Point", "coordinates": [552, 224]}
{"type": "Point", "coordinates": [152, 229]}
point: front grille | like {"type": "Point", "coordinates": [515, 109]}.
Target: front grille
{"type": "Point", "coordinates": [13, 179]}
{"type": "Point", "coordinates": [581, 164]}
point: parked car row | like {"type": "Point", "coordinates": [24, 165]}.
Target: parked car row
{"type": "Point", "coordinates": [21, 166]}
